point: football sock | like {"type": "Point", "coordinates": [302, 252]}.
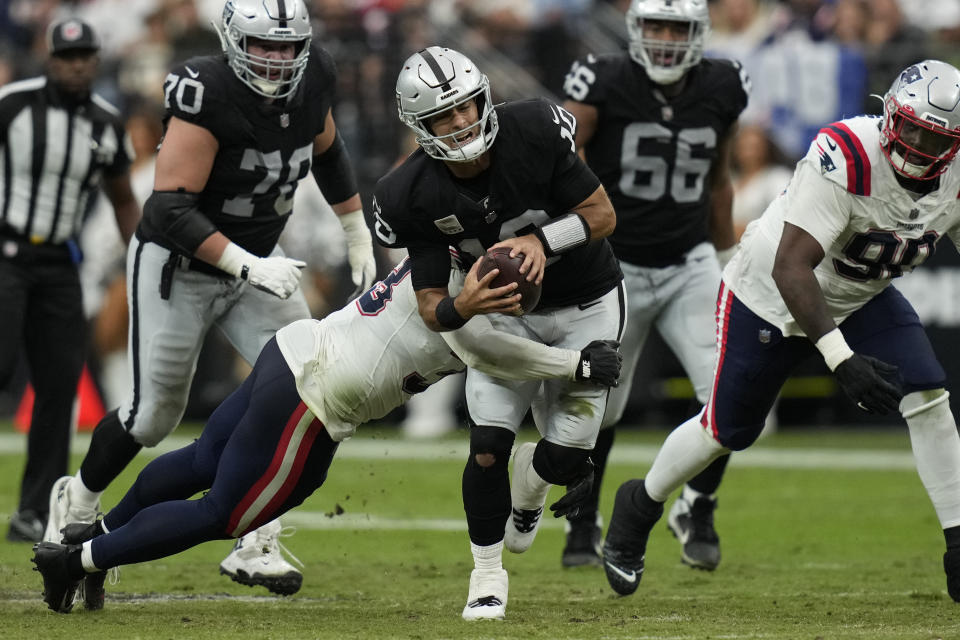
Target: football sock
{"type": "Point", "coordinates": [111, 450]}
{"type": "Point", "coordinates": [79, 494]}
{"type": "Point", "coordinates": [708, 480]}
{"type": "Point", "coordinates": [936, 450]}
{"type": "Point", "coordinates": [686, 452]}
{"type": "Point", "coordinates": [487, 557]}
{"type": "Point", "coordinates": [486, 500]}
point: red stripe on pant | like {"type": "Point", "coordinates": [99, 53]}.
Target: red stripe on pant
{"type": "Point", "coordinates": [724, 302]}
{"type": "Point", "coordinates": [289, 482]}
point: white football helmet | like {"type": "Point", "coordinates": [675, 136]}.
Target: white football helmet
{"type": "Point", "coordinates": [667, 60]}
{"type": "Point", "coordinates": [273, 20]}
{"type": "Point", "coordinates": [921, 120]}
{"type": "Point", "coordinates": [434, 80]}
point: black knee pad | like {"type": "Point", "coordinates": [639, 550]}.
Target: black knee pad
{"type": "Point", "coordinates": [493, 440]}
{"type": "Point", "coordinates": [558, 464]}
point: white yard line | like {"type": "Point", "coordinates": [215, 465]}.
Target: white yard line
{"type": "Point", "coordinates": [622, 453]}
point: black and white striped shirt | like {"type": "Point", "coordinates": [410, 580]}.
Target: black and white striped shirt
{"type": "Point", "coordinates": [54, 154]}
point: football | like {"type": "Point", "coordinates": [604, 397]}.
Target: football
{"type": "Point", "coordinates": [499, 258]}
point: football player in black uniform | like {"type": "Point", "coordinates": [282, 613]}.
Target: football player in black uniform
{"type": "Point", "coordinates": [656, 125]}
{"type": "Point", "coordinates": [241, 130]}
{"type": "Point", "coordinates": [531, 192]}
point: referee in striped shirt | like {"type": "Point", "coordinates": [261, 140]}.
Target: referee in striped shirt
{"type": "Point", "coordinates": [59, 144]}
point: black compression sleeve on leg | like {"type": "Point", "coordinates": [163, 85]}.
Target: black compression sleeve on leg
{"type": "Point", "coordinates": [486, 490]}
{"type": "Point", "coordinates": [599, 456]}
{"type": "Point", "coordinates": [708, 480]}
{"type": "Point", "coordinates": [558, 464]}
{"type": "Point", "coordinates": [111, 450]}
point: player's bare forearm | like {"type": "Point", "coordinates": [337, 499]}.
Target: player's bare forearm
{"type": "Point", "coordinates": [211, 249]}
{"type": "Point", "coordinates": [598, 211]}
{"type": "Point", "coordinates": [797, 256]}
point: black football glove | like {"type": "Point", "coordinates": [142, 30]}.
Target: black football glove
{"type": "Point", "coordinates": [578, 491]}
{"type": "Point", "coordinates": [600, 363]}
{"type": "Point", "coordinates": [871, 383]}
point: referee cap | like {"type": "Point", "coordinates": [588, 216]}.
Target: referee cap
{"type": "Point", "coordinates": [71, 34]}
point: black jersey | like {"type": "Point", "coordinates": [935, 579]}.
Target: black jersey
{"type": "Point", "coordinates": [264, 149]}
{"type": "Point", "coordinates": [534, 175]}
{"type": "Point", "coordinates": [654, 154]}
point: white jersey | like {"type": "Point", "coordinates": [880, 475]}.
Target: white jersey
{"type": "Point", "coordinates": [366, 359]}
{"type": "Point", "coordinates": [845, 194]}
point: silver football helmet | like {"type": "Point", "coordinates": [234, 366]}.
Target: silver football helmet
{"type": "Point", "coordinates": [272, 20]}
{"type": "Point", "coordinates": [921, 120]}
{"type": "Point", "coordinates": [667, 60]}
{"type": "Point", "coordinates": [435, 80]}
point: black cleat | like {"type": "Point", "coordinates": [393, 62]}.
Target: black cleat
{"type": "Point", "coordinates": [692, 525]}
{"type": "Point", "coordinates": [583, 543]}
{"type": "Point", "coordinates": [59, 588]}
{"type": "Point", "coordinates": [951, 565]}
{"type": "Point", "coordinates": [91, 589]}
{"type": "Point", "coordinates": [625, 546]}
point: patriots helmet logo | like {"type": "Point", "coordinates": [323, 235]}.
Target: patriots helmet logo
{"type": "Point", "coordinates": [826, 162]}
{"type": "Point", "coordinates": [910, 75]}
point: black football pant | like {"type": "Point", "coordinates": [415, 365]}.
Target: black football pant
{"type": "Point", "coordinates": [41, 311]}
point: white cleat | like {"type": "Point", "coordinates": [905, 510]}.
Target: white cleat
{"type": "Point", "coordinates": [487, 598]}
{"type": "Point", "coordinates": [63, 513]}
{"type": "Point", "coordinates": [256, 560]}
{"type": "Point", "coordinates": [528, 492]}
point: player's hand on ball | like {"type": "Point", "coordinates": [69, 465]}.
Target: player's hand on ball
{"type": "Point", "coordinates": [534, 259]}
{"type": "Point", "coordinates": [867, 381]}
{"type": "Point", "coordinates": [277, 275]}
{"type": "Point", "coordinates": [478, 297]}
{"type": "Point", "coordinates": [600, 363]}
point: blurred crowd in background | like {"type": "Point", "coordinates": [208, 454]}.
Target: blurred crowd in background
{"type": "Point", "coordinates": [810, 62]}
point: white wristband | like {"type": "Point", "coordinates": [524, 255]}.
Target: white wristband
{"type": "Point", "coordinates": [235, 261]}
{"type": "Point", "coordinates": [355, 227]}
{"type": "Point", "coordinates": [834, 348]}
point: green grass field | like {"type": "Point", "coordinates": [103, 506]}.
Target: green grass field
{"type": "Point", "coordinates": [824, 535]}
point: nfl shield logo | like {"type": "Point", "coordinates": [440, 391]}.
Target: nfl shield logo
{"type": "Point", "coordinates": [284, 120]}
{"type": "Point", "coordinates": [764, 336]}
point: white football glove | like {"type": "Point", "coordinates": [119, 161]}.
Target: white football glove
{"type": "Point", "coordinates": [277, 275]}
{"type": "Point", "coordinates": [363, 265]}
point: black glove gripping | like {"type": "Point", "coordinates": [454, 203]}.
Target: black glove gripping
{"type": "Point", "coordinates": [578, 491]}
{"type": "Point", "coordinates": [600, 363]}
{"type": "Point", "coordinates": [871, 383]}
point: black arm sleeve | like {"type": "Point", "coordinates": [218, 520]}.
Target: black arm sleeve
{"type": "Point", "coordinates": [430, 266]}
{"type": "Point", "coordinates": [172, 219]}
{"type": "Point", "coordinates": [334, 172]}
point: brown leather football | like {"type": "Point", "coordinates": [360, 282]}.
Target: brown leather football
{"type": "Point", "coordinates": [499, 258]}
